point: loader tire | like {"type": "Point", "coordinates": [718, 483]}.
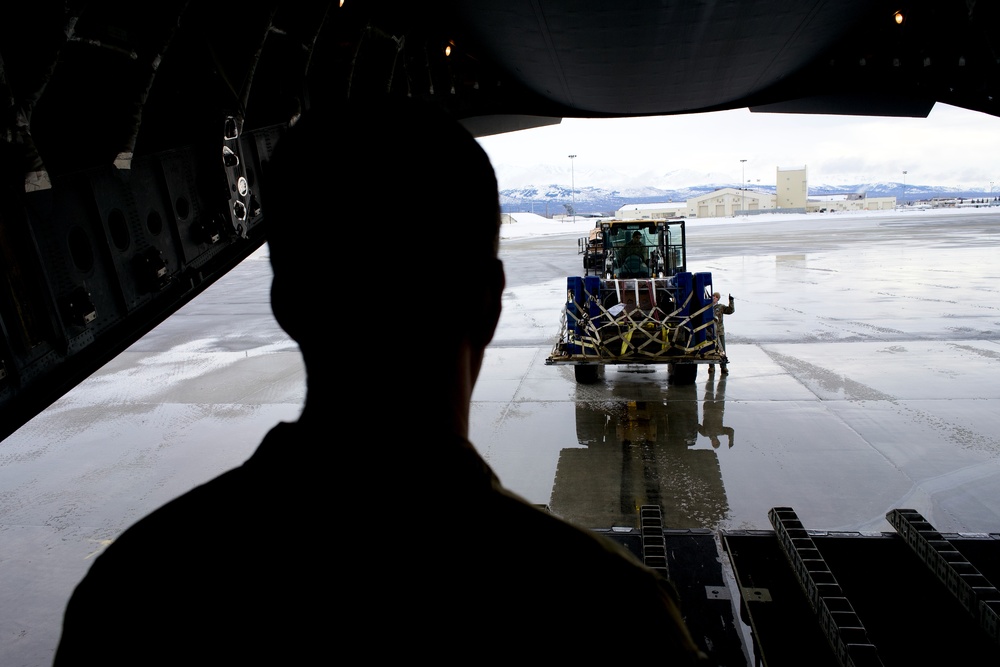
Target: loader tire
{"type": "Point", "coordinates": [586, 374]}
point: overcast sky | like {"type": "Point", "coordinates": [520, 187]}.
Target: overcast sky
{"type": "Point", "coordinates": [951, 147]}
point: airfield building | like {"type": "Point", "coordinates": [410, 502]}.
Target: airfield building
{"type": "Point", "coordinates": [652, 211]}
{"type": "Point", "coordinates": [729, 202]}
{"type": "Point", "coordinates": [791, 196]}
{"type": "Point", "coordinates": [792, 188]}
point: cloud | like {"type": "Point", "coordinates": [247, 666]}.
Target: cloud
{"type": "Point", "coordinates": [951, 147]}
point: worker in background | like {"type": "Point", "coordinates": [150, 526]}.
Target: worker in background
{"type": "Point", "coordinates": [352, 529]}
{"type": "Point", "coordinates": [719, 311]}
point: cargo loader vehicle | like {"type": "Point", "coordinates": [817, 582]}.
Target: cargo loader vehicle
{"type": "Point", "coordinates": [637, 304]}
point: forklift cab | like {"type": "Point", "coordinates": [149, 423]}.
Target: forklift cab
{"type": "Point", "coordinates": [632, 257]}
{"type": "Point", "coordinates": [639, 249]}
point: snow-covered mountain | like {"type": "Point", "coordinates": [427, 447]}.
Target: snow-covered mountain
{"type": "Point", "coordinates": [554, 199]}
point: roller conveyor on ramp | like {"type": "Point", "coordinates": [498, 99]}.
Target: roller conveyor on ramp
{"type": "Point", "coordinates": [795, 596]}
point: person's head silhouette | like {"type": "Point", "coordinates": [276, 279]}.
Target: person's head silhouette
{"type": "Point", "coordinates": [383, 226]}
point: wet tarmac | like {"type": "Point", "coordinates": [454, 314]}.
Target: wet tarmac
{"type": "Point", "coordinates": [863, 378]}
{"type": "Point", "coordinates": [864, 370]}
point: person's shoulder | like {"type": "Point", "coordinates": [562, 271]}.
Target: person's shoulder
{"type": "Point", "coordinates": [198, 517]}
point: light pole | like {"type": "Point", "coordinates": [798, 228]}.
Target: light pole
{"type": "Point", "coordinates": [572, 186]}
{"type": "Point", "coordinates": [743, 175]}
{"type": "Point", "coordinates": [904, 188]}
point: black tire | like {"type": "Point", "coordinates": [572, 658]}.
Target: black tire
{"type": "Point", "coordinates": [586, 374]}
{"type": "Point", "coordinates": [683, 373]}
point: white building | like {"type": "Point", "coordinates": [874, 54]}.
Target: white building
{"type": "Point", "coordinates": [826, 203]}
{"type": "Point", "coordinates": [723, 203]}
{"type": "Point", "coordinates": [791, 188]}
{"type": "Point", "coordinates": [652, 211]}
{"type": "Point", "coordinates": [729, 202]}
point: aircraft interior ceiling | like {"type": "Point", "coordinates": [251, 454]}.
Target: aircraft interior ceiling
{"type": "Point", "coordinates": [135, 136]}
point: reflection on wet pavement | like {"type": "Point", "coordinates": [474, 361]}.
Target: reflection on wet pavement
{"type": "Point", "coordinates": [714, 413]}
{"type": "Point", "coordinates": [641, 452]}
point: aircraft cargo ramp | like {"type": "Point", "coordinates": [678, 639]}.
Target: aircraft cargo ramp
{"type": "Point", "coordinates": [810, 597]}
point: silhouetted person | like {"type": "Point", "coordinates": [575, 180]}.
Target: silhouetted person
{"type": "Point", "coordinates": [370, 529]}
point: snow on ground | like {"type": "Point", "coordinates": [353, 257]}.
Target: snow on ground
{"type": "Point", "coordinates": [532, 224]}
